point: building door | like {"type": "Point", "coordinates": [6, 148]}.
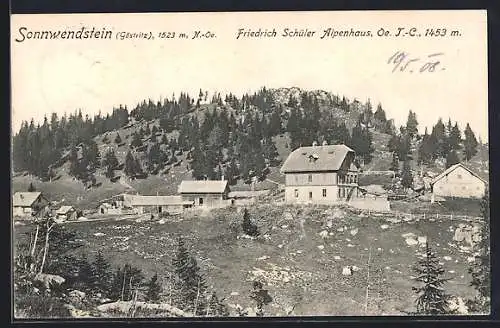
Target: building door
{"type": "Point", "coordinates": [102, 210]}
{"type": "Point", "coordinates": [200, 201]}
{"type": "Point", "coordinates": [310, 195]}
{"type": "Point", "coordinates": [159, 209]}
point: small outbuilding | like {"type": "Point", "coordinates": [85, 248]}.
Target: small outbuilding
{"type": "Point", "coordinates": [205, 193]}
{"type": "Point", "coordinates": [66, 212]}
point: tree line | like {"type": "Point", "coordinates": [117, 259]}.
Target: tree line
{"type": "Point", "coordinates": [234, 138]}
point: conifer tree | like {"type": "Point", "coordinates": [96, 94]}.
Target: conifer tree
{"type": "Point", "coordinates": [192, 286]}
{"type": "Point", "coordinates": [432, 298]}
{"type": "Point", "coordinates": [455, 137]}
{"type": "Point", "coordinates": [480, 268]}
{"type": "Point", "coordinates": [261, 297]}
{"type": "Point", "coordinates": [470, 143]}
{"type": "Point", "coordinates": [31, 188]}
{"type": "Point", "coordinates": [101, 270]}
{"type": "Point", "coordinates": [395, 163]}
{"type": "Point", "coordinates": [412, 124]}
{"type": "Point", "coordinates": [406, 175]}
{"type": "Point", "coordinates": [129, 164]}
{"type": "Point", "coordinates": [452, 159]}
{"type": "Point", "coordinates": [154, 289]}
{"type": "Point", "coordinates": [216, 306]}
{"type": "Point", "coordinates": [248, 226]}
{"type": "Point", "coordinates": [425, 150]}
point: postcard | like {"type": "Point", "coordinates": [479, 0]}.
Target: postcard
{"type": "Point", "coordinates": [250, 164]}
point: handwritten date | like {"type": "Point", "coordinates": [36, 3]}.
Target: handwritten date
{"type": "Point", "coordinates": [401, 61]}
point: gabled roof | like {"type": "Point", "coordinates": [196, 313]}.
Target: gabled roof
{"type": "Point", "coordinates": [453, 168]}
{"type": "Point", "coordinates": [316, 158]}
{"type": "Point", "coordinates": [138, 200]}
{"type": "Point", "coordinates": [203, 187]}
{"type": "Point", "coordinates": [25, 199]}
{"type": "Point", "coordinates": [65, 209]}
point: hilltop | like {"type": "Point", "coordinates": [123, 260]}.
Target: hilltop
{"type": "Point", "coordinates": [168, 152]}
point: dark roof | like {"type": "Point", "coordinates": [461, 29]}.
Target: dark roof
{"type": "Point", "coordinates": [452, 168]}
{"type": "Point", "coordinates": [316, 158]}
{"type": "Point", "coordinates": [25, 199]}
{"type": "Point", "coordinates": [203, 187]}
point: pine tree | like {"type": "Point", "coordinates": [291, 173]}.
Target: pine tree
{"type": "Point", "coordinates": [452, 159]}
{"type": "Point", "coordinates": [480, 268]}
{"type": "Point", "coordinates": [455, 137]}
{"type": "Point", "coordinates": [216, 306]}
{"type": "Point", "coordinates": [432, 298]}
{"type": "Point", "coordinates": [406, 175]}
{"type": "Point", "coordinates": [129, 164]}
{"type": "Point", "coordinates": [136, 140]}
{"type": "Point", "coordinates": [101, 270]}
{"type": "Point", "coordinates": [192, 284]}
{"type": "Point", "coordinates": [110, 162]}
{"type": "Point", "coordinates": [426, 149]}
{"type": "Point", "coordinates": [261, 297]}
{"type": "Point", "coordinates": [395, 163]}
{"type": "Point", "coordinates": [470, 143]}
{"type": "Point", "coordinates": [412, 124]}
{"type": "Point", "coordinates": [31, 188]}
{"type": "Point", "coordinates": [154, 289]}
{"type": "Point", "coordinates": [438, 140]}
{"type": "Point", "coordinates": [248, 226]}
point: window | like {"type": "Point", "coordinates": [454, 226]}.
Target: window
{"type": "Point", "coordinates": [296, 193]}
{"type": "Point", "coordinates": [324, 192]}
{"type": "Point", "coordinates": [159, 209]}
{"type": "Point", "coordinates": [310, 178]}
{"type": "Point", "coordinates": [310, 195]}
{"type": "Point", "coordinates": [464, 187]}
{"type": "Point", "coordinates": [200, 201]}
{"type": "Point", "coordinates": [459, 176]}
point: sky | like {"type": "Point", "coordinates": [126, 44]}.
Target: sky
{"type": "Point", "coordinates": [96, 75]}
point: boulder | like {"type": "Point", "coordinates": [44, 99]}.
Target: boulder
{"type": "Point", "coordinates": [321, 247]}
{"type": "Point", "coordinates": [354, 232]}
{"type": "Point", "coordinates": [384, 226]}
{"type": "Point", "coordinates": [422, 240]}
{"type": "Point", "coordinates": [323, 234]}
{"type": "Point", "coordinates": [411, 241]}
{"type": "Point", "coordinates": [77, 294]}
{"type": "Point", "coordinates": [49, 279]}
{"type": "Point", "coordinates": [346, 271]}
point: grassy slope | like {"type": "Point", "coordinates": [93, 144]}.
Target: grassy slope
{"type": "Point", "coordinates": [318, 287]}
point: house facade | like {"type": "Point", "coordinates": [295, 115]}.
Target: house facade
{"type": "Point", "coordinates": [458, 181]}
{"type": "Point", "coordinates": [27, 203]}
{"type": "Point", "coordinates": [320, 175]}
{"type": "Point", "coordinates": [205, 193]}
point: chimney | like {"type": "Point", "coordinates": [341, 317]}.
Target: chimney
{"type": "Point", "coordinates": [315, 143]}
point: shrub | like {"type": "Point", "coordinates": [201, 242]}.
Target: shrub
{"type": "Point", "coordinates": [248, 226]}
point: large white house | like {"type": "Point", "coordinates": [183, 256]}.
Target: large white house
{"type": "Point", "coordinates": [320, 175]}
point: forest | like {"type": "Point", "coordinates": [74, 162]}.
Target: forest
{"type": "Point", "coordinates": [231, 137]}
